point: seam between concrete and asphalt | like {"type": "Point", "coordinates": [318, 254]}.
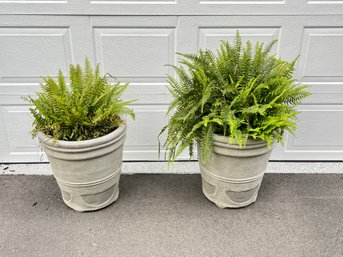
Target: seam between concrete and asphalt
{"type": "Point", "coordinates": [190, 167]}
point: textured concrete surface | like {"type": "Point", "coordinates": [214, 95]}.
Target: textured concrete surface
{"type": "Point", "coordinates": [167, 215]}
{"type": "Point", "coordinates": [187, 167]}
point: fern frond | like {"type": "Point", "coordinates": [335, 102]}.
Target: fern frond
{"type": "Point", "coordinates": [242, 92]}
{"type": "Point", "coordinates": [88, 107]}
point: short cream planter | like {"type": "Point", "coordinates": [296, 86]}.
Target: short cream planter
{"type": "Point", "coordinates": [88, 171]}
{"type": "Point", "coordinates": [232, 176]}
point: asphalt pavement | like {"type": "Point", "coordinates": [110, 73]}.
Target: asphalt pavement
{"type": "Point", "coordinates": [167, 215]}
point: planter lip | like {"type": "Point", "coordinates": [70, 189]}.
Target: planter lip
{"type": "Point", "coordinates": [225, 140]}
{"type": "Point", "coordinates": [49, 141]}
{"type": "Point", "coordinates": [220, 141]}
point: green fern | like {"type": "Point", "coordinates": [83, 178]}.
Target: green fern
{"type": "Point", "coordinates": [239, 92]}
{"type": "Point", "coordinates": [86, 108]}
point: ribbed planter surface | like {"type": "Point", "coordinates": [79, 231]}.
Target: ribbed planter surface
{"type": "Point", "coordinates": [88, 171]}
{"type": "Point", "coordinates": [232, 176]}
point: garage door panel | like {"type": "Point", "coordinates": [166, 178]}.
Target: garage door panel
{"type": "Point", "coordinates": [317, 126]}
{"type": "Point", "coordinates": [142, 135]}
{"type": "Point", "coordinates": [148, 93]}
{"type": "Point", "coordinates": [33, 52]}
{"type": "Point", "coordinates": [210, 30]}
{"type": "Point", "coordinates": [13, 93]}
{"type": "Point", "coordinates": [319, 135]}
{"type": "Point", "coordinates": [210, 37]}
{"type": "Point", "coordinates": [322, 53]}
{"type": "Point", "coordinates": [16, 129]}
{"type": "Point", "coordinates": [18, 120]}
{"type": "Point", "coordinates": [325, 93]}
{"type": "Point", "coordinates": [135, 52]}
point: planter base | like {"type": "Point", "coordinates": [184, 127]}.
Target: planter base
{"type": "Point", "coordinates": [90, 196]}
{"type": "Point", "coordinates": [226, 193]}
{"type": "Point", "coordinates": [232, 175]}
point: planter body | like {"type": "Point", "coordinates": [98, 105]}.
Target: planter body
{"type": "Point", "coordinates": [232, 176]}
{"type": "Point", "coordinates": [88, 171]}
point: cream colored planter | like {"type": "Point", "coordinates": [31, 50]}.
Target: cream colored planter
{"type": "Point", "coordinates": [233, 175]}
{"type": "Point", "coordinates": [88, 171]}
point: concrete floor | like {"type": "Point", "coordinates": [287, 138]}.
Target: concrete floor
{"type": "Point", "coordinates": [180, 167]}
{"type": "Point", "coordinates": [167, 215]}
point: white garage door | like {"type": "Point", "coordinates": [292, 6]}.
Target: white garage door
{"type": "Point", "coordinates": [134, 39]}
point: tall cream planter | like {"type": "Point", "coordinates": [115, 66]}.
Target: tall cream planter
{"type": "Point", "coordinates": [232, 176]}
{"type": "Point", "coordinates": [88, 171]}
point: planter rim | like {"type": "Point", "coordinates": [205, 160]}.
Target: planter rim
{"type": "Point", "coordinates": [49, 141]}
{"type": "Point", "coordinates": [250, 142]}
